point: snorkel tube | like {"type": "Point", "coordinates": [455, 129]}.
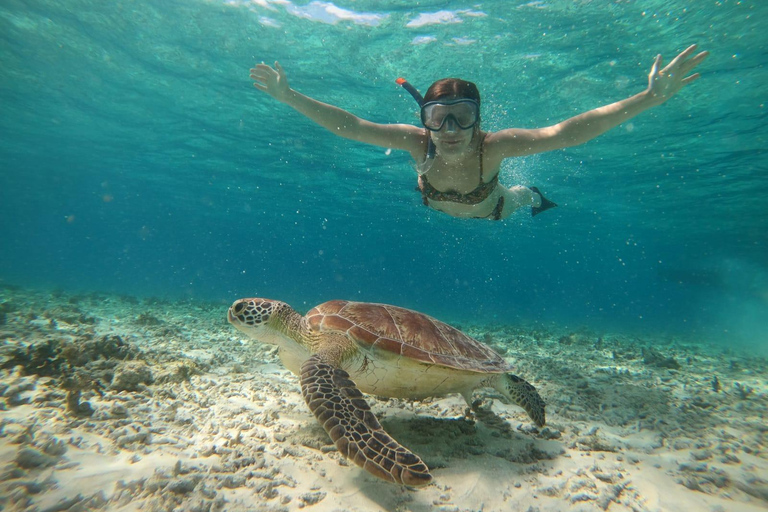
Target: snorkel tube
{"type": "Point", "coordinates": [420, 100]}
{"type": "Point", "coordinates": [411, 89]}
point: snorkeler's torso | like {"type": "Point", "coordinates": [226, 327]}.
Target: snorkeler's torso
{"type": "Point", "coordinates": [462, 178]}
{"type": "Point", "coordinates": [463, 188]}
{"type": "Point", "coordinates": [482, 209]}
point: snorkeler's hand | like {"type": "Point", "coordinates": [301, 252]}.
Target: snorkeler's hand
{"type": "Point", "coordinates": [664, 83]}
{"type": "Point", "coordinates": [272, 81]}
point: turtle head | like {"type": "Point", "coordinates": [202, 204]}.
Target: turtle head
{"type": "Point", "coordinates": [263, 319]}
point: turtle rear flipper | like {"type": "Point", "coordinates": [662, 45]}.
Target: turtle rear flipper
{"type": "Point", "coordinates": [520, 392]}
{"type": "Point", "coordinates": [343, 412]}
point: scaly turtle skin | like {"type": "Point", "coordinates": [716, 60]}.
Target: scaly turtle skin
{"type": "Point", "coordinates": [341, 348]}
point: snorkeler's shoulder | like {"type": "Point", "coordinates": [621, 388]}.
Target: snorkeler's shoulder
{"type": "Point", "coordinates": [507, 136]}
{"type": "Point", "coordinates": [497, 145]}
{"type": "Point", "coordinates": [510, 142]}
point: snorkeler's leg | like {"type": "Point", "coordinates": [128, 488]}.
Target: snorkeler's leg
{"type": "Point", "coordinates": [543, 202]}
{"type": "Point", "coordinates": [519, 196]}
{"type": "Point", "coordinates": [516, 197]}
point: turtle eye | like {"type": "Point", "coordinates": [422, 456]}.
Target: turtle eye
{"type": "Point", "coordinates": [238, 308]}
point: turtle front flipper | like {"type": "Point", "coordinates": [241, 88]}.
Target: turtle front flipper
{"type": "Point", "coordinates": [343, 412]}
{"type": "Point", "coordinates": [520, 392]}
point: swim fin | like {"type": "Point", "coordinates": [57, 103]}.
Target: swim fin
{"type": "Point", "coordinates": [546, 204]}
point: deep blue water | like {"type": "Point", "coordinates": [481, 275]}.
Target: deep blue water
{"type": "Point", "coordinates": [137, 158]}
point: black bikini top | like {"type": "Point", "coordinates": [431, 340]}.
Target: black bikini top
{"type": "Point", "coordinates": [478, 195]}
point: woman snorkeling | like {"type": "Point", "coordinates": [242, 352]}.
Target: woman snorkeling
{"type": "Point", "coordinates": [457, 162]}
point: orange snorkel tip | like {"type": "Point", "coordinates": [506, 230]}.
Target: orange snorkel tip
{"type": "Point", "coordinates": [411, 89]}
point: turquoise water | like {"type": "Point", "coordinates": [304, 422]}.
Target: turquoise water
{"type": "Point", "coordinates": [137, 158]}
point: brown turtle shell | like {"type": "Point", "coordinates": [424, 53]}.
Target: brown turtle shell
{"type": "Point", "coordinates": [407, 333]}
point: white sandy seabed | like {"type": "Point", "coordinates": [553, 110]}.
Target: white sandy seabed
{"type": "Point", "coordinates": [121, 404]}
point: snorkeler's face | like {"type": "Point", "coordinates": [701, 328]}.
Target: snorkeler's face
{"type": "Point", "coordinates": [451, 123]}
{"type": "Point", "coordinates": [452, 140]}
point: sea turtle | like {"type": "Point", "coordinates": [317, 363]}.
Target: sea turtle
{"type": "Point", "coordinates": [341, 348]}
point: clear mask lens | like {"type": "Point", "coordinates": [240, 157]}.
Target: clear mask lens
{"type": "Point", "coordinates": [464, 112]}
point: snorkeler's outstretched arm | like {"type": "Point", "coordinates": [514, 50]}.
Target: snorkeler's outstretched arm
{"type": "Point", "coordinates": [662, 85]}
{"type": "Point", "coordinates": [274, 82]}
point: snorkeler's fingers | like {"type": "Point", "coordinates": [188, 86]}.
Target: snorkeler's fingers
{"type": "Point", "coordinates": [279, 68]}
{"type": "Point", "coordinates": [695, 61]}
{"type": "Point", "coordinates": [656, 64]}
{"type": "Point", "coordinates": [262, 73]}
{"type": "Point", "coordinates": [264, 67]}
{"type": "Point", "coordinates": [260, 79]}
{"type": "Point", "coordinates": [261, 69]}
{"type": "Point", "coordinates": [682, 56]}
{"type": "Point", "coordinates": [691, 78]}
{"type": "Point", "coordinates": [700, 57]}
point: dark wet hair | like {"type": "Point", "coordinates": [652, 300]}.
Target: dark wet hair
{"type": "Point", "coordinates": [452, 87]}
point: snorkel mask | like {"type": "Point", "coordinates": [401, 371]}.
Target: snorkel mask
{"type": "Point", "coordinates": [464, 112]}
